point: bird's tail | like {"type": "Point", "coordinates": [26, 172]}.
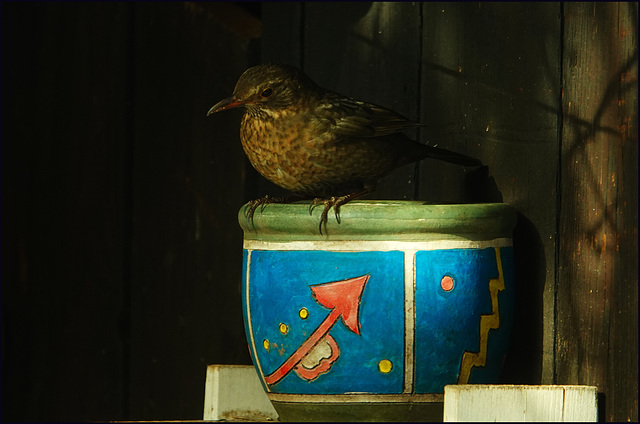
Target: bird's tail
{"type": "Point", "coordinates": [449, 156]}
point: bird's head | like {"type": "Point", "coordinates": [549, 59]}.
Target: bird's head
{"type": "Point", "coordinates": [271, 86]}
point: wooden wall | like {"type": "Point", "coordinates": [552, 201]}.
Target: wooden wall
{"type": "Point", "coordinates": [596, 321]}
{"type": "Point", "coordinates": [121, 272]}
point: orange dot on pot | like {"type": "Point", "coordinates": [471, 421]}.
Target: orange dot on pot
{"type": "Point", "coordinates": [446, 283]}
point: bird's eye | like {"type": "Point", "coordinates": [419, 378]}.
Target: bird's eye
{"type": "Point", "coordinates": [266, 92]}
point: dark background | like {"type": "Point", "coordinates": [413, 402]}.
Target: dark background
{"type": "Point", "coordinates": [121, 253]}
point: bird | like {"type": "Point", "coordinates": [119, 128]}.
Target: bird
{"type": "Point", "coordinates": [318, 144]}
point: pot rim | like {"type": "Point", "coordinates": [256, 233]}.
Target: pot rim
{"type": "Point", "coordinates": [381, 220]}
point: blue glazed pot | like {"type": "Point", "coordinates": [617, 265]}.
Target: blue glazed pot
{"type": "Point", "coordinates": [371, 320]}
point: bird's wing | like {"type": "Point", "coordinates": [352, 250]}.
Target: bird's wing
{"type": "Point", "coordinates": [349, 118]}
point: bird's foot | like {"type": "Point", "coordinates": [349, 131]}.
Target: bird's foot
{"type": "Point", "coordinates": [328, 204]}
{"type": "Point", "coordinates": [331, 202]}
{"type": "Point", "coordinates": [251, 206]}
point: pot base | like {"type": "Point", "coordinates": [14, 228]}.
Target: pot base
{"type": "Point", "coordinates": [369, 408]}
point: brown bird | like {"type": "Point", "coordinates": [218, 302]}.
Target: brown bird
{"type": "Point", "coordinates": [319, 144]}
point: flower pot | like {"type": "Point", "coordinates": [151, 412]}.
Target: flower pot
{"type": "Point", "coordinates": [371, 320]}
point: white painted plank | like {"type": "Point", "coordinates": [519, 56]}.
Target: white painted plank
{"type": "Point", "coordinates": [500, 403]}
{"type": "Point", "coordinates": [581, 405]}
{"type": "Point", "coordinates": [234, 392]}
{"type": "Point", "coordinates": [543, 403]}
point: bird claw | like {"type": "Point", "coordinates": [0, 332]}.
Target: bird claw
{"type": "Point", "coordinates": [252, 205]}
{"type": "Point", "coordinates": [331, 202]}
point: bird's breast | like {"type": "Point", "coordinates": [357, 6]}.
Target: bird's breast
{"type": "Point", "coordinates": [281, 149]}
{"type": "Point", "coordinates": [291, 152]}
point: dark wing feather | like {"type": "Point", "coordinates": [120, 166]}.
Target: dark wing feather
{"type": "Point", "coordinates": [346, 118]}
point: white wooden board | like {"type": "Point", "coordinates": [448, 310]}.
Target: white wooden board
{"type": "Point", "coordinates": [234, 392]}
{"type": "Point", "coordinates": [478, 402]}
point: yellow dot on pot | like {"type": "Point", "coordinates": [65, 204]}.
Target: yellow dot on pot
{"type": "Point", "coordinates": [304, 313]}
{"type": "Point", "coordinates": [284, 328]}
{"type": "Point", "coordinates": [265, 343]}
{"type": "Point", "coordinates": [385, 366]}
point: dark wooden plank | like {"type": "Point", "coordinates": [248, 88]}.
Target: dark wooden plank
{"type": "Point", "coordinates": [281, 39]}
{"type": "Point", "coordinates": [490, 88]}
{"type": "Point", "coordinates": [445, 99]}
{"type": "Point", "coordinates": [188, 184]}
{"type": "Point", "coordinates": [64, 211]}
{"type": "Point", "coordinates": [597, 321]}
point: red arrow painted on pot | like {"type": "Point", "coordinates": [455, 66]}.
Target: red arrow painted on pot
{"type": "Point", "coordinates": [343, 298]}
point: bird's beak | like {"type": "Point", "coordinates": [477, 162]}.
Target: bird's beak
{"type": "Point", "coordinates": [225, 104]}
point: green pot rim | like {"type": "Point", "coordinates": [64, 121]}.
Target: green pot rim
{"type": "Point", "coordinates": [381, 220]}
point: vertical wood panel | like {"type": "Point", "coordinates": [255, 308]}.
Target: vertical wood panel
{"type": "Point", "coordinates": [281, 39]}
{"type": "Point", "coordinates": [446, 96]}
{"type": "Point", "coordinates": [64, 211]}
{"type": "Point", "coordinates": [597, 335]}
{"type": "Point", "coordinates": [188, 181]}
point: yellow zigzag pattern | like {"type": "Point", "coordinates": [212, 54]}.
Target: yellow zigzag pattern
{"type": "Point", "coordinates": [487, 322]}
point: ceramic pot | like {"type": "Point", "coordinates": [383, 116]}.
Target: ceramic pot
{"type": "Point", "coordinates": [371, 320]}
